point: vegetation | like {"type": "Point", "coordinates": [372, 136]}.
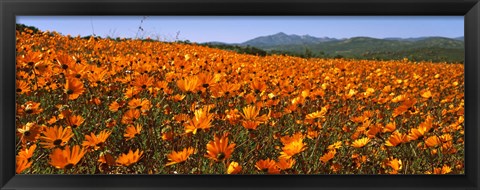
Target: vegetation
{"type": "Point", "coordinates": [435, 49]}
{"type": "Point", "coordinates": [100, 106]}
{"type": "Point", "coordinates": [239, 49]}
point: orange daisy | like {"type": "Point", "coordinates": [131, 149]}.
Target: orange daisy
{"type": "Point", "coordinates": [180, 156]}
{"type": "Point", "coordinates": [74, 88]}
{"type": "Point", "coordinates": [267, 165]}
{"type": "Point", "coordinates": [234, 168]}
{"type": "Point", "coordinates": [432, 141]}
{"type": "Point", "coordinates": [396, 138]}
{"type": "Point", "coordinates": [66, 158]}
{"type": "Point", "coordinates": [130, 116]}
{"type": "Point", "coordinates": [55, 137]}
{"type": "Point", "coordinates": [328, 156]}
{"type": "Point", "coordinates": [27, 153]}
{"type": "Point", "coordinates": [219, 149]}
{"type": "Point", "coordinates": [129, 158]}
{"type": "Point", "coordinates": [395, 164]}
{"type": "Point", "coordinates": [201, 120]}
{"type": "Point", "coordinates": [131, 131]}
{"type": "Point", "coordinates": [284, 164]}
{"type": "Point", "coordinates": [95, 142]}
{"type": "Point", "coordinates": [292, 148]}
{"type": "Point", "coordinates": [189, 84]}
{"type": "Point", "coordinates": [22, 87]}
{"type": "Point", "coordinates": [29, 132]}
{"type": "Point", "coordinates": [359, 143]}
{"type": "Point", "coordinates": [22, 164]}
{"type": "Point", "coordinates": [75, 121]}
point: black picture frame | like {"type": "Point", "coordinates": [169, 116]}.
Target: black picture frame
{"type": "Point", "coordinates": [470, 9]}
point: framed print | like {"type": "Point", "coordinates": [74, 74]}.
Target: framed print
{"type": "Point", "coordinates": [239, 94]}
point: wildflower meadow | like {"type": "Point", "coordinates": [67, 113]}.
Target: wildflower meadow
{"type": "Point", "coordinates": [132, 106]}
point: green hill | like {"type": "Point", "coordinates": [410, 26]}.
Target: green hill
{"type": "Point", "coordinates": [436, 49]}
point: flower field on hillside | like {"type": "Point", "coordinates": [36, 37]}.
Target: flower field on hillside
{"type": "Point", "coordinates": [100, 106]}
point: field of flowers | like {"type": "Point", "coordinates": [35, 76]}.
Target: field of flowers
{"type": "Point", "coordinates": [99, 106]}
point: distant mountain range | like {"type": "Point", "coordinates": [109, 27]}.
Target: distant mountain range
{"type": "Point", "coordinates": [421, 48]}
{"type": "Point", "coordinates": [284, 39]}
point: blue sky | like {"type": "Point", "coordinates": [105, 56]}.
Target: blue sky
{"type": "Point", "coordinates": [236, 29]}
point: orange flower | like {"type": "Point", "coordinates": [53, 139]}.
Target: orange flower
{"type": "Point", "coordinates": [189, 84]}
{"type": "Point", "coordinates": [396, 138]}
{"type": "Point", "coordinates": [443, 170]}
{"type": "Point", "coordinates": [97, 77]}
{"type": "Point", "coordinates": [224, 89]}
{"type": "Point", "coordinates": [219, 149]}
{"type": "Point", "coordinates": [335, 145]}
{"type": "Point", "coordinates": [390, 127]}
{"type": "Point", "coordinates": [258, 86]}
{"type": "Point", "coordinates": [284, 164]}
{"type": "Point", "coordinates": [292, 148]}
{"type": "Point", "coordinates": [23, 159]}
{"type": "Point", "coordinates": [131, 92]}
{"type": "Point", "coordinates": [426, 125]}
{"type": "Point", "coordinates": [207, 80]}
{"type": "Point", "coordinates": [234, 168]}
{"type": "Point", "coordinates": [414, 134]}
{"type": "Point", "coordinates": [250, 125]}
{"type": "Point", "coordinates": [426, 94]}
{"type": "Point", "coordinates": [432, 141]}
{"type": "Point", "coordinates": [181, 118]}
{"type": "Point", "coordinates": [176, 97]}
{"type": "Point", "coordinates": [29, 59]}
{"type": "Point", "coordinates": [94, 141]}
{"type": "Point", "coordinates": [129, 158]}
{"type": "Point", "coordinates": [373, 130]}
{"type": "Point", "coordinates": [64, 112]}
{"type": "Point", "coordinates": [359, 143]}
{"type": "Point", "coordinates": [400, 110]}
{"type": "Point", "coordinates": [328, 156]}
{"type": "Point", "coordinates": [143, 105]}
{"type": "Point", "coordinates": [179, 157]}
{"type": "Point", "coordinates": [350, 93]}
{"type": "Point", "coordinates": [368, 92]}
{"type": "Point", "coordinates": [30, 108]}
{"type": "Point", "coordinates": [110, 123]}
{"type": "Point", "coordinates": [312, 133]}
{"type": "Point", "coordinates": [75, 121]}
{"type": "Point", "coordinates": [201, 120]}
{"type": "Point", "coordinates": [114, 106]}
{"type": "Point", "coordinates": [267, 166]}
{"type": "Point", "coordinates": [130, 116]}
{"type": "Point", "coordinates": [22, 164]}
{"type": "Point", "coordinates": [446, 169]}
{"type": "Point", "coordinates": [395, 164]}
{"type": "Point", "coordinates": [74, 88]}
{"type": "Point", "coordinates": [446, 137]}
{"type": "Point", "coordinates": [250, 113]}
{"type": "Point", "coordinates": [27, 153]}
{"type": "Point", "coordinates": [317, 114]}
{"type": "Point", "coordinates": [359, 159]}
{"type": "Point", "coordinates": [22, 87]}
{"type": "Point", "coordinates": [29, 132]}
{"type": "Point", "coordinates": [295, 137]}
{"type": "Point", "coordinates": [66, 158]}
{"type": "Point", "coordinates": [143, 81]}
{"type": "Point", "coordinates": [131, 131]}
{"type": "Point", "coordinates": [336, 167]}
{"type": "Point", "coordinates": [55, 137]}
{"type": "Point", "coordinates": [64, 61]}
